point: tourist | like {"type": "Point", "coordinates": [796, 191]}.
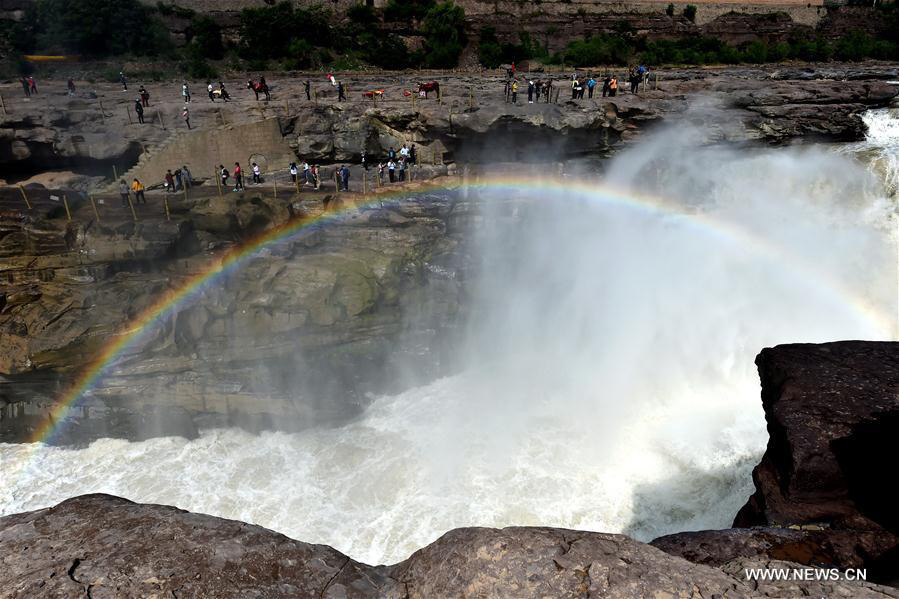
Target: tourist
{"type": "Point", "coordinates": [32, 85]}
{"type": "Point", "coordinates": [606, 82]}
{"type": "Point", "coordinates": [185, 92]}
{"type": "Point", "coordinates": [123, 81]}
{"type": "Point", "coordinates": [257, 179]}
{"type": "Point", "coordinates": [178, 183]}
{"type": "Point", "coordinates": [404, 152]}
{"type": "Point", "coordinates": [263, 87]}
{"type": "Point", "coordinates": [381, 167]}
{"type": "Point", "coordinates": [225, 175]}
{"type": "Point", "coordinates": [391, 153]}
{"type": "Point", "coordinates": [294, 171]}
{"type": "Point", "coordinates": [169, 181]}
{"type": "Point", "coordinates": [223, 93]}
{"type": "Point", "coordinates": [307, 174]}
{"type": "Point", "coordinates": [340, 96]}
{"type": "Point", "coordinates": [316, 181]}
{"type": "Point", "coordinates": [139, 110]}
{"type": "Point", "coordinates": [71, 86]}
{"type": "Point", "coordinates": [307, 86]}
{"type": "Point", "coordinates": [363, 161]}
{"type": "Point", "coordinates": [210, 91]}
{"type": "Point", "coordinates": [138, 188]}
{"type": "Point", "coordinates": [515, 91]}
{"type": "Point", "coordinates": [238, 177]}
{"type": "Point", "coordinates": [591, 83]}
{"type": "Point", "coordinates": [530, 92]}
{"type": "Point", "coordinates": [185, 114]}
{"type": "Point", "coordinates": [123, 192]}
{"type": "Point", "coordinates": [613, 86]}
{"type": "Point", "coordinates": [402, 169]}
{"type": "Point", "coordinates": [413, 155]}
{"type": "Point", "coordinates": [144, 96]}
{"type": "Point", "coordinates": [187, 177]}
{"type": "Point", "coordinates": [574, 87]}
{"type": "Point", "coordinates": [25, 87]}
{"type": "Point", "coordinates": [345, 177]}
{"type": "Point", "coordinates": [391, 168]}
{"type": "Point", "coordinates": [332, 79]}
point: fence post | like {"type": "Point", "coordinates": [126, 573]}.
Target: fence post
{"type": "Point", "coordinates": [131, 205]}
{"type": "Point", "coordinates": [218, 182]}
{"type": "Point", "coordinates": [102, 112]}
{"type": "Point", "coordinates": [128, 108]}
{"type": "Point", "coordinates": [165, 201]}
{"type": "Point", "coordinates": [94, 206]}
{"type": "Point", "coordinates": [65, 202]}
{"type": "Point", "coordinates": [25, 196]}
{"type": "Point", "coordinates": [3, 104]}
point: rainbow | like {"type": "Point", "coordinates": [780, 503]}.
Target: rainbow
{"type": "Point", "coordinates": [219, 266]}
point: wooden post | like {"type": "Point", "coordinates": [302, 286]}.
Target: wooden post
{"type": "Point", "coordinates": [65, 202]}
{"type": "Point", "coordinates": [337, 179]}
{"type": "Point", "coordinates": [297, 181]}
{"type": "Point", "coordinates": [131, 204]}
{"type": "Point", "coordinates": [165, 201]}
{"type": "Point", "coordinates": [315, 97]}
{"type": "Point", "coordinates": [25, 196]}
{"type": "Point", "coordinates": [364, 190]}
{"type": "Point", "coordinates": [3, 104]}
{"type": "Point", "coordinates": [102, 112]}
{"type": "Point", "coordinates": [128, 108]}
{"type": "Point", "coordinates": [439, 96]}
{"type": "Point", "coordinates": [94, 206]}
{"type": "Point", "coordinates": [218, 181]}
{"type": "Point", "coordinates": [161, 122]}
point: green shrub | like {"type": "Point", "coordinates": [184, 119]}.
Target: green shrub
{"type": "Point", "coordinates": [670, 10]}
{"type": "Point", "coordinates": [690, 13]}
{"type": "Point", "coordinates": [205, 38]}
{"type": "Point", "coordinates": [362, 14]}
{"type": "Point", "coordinates": [197, 68]}
{"type": "Point", "coordinates": [407, 10]}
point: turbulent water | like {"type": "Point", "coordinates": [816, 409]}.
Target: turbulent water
{"type": "Point", "coordinates": [611, 383]}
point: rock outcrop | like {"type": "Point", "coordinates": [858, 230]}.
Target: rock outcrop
{"type": "Point", "coordinates": [833, 419]}
{"type": "Point", "coordinates": [101, 546]}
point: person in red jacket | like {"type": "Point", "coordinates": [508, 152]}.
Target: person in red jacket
{"type": "Point", "coordinates": [238, 177]}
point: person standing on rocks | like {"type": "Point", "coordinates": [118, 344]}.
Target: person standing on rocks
{"type": "Point", "coordinates": [257, 179]}
{"type": "Point", "coordinates": [607, 80]}
{"type": "Point", "coordinates": [238, 177]}
{"type": "Point", "coordinates": [530, 91]}
{"type": "Point", "coordinates": [363, 161]}
{"type": "Point", "coordinates": [138, 188]}
{"type": "Point", "coordinates": [413, 155]}
{"type": "Point", "coordinates": [223, 93]}
{"type": "Point", "coordinates": [316, 182]}
{"type": "Point", "coordinates": [185, 92]}
{"type": "Point", "coordinates": [123, 192]}
{"type": "Point", "coordinates": [294, 171]}
{"type": "Point", "coordinates": [381, 167]}
{"type": "Point", "coordinates": [307, 174]}
{"type": "Point", "coordinates": [340, 95]}
{"type": "Point", "coordinates": [345, 177]}
{"type": "Point", "coordinates": [591, 83]}
{"type": "Point", "coordinates": [139, 110]}
{"type": "Point", "coordinates": [391, 153]}
{"type": "Point", "coordinates": [187, 177]}
{"type": "Point", "coordinates": [25, 87]}
{"type": "Point", "coordinates": [144, 96]}
{"type": "Point", "coordinates": [123, 81]}
{"type": "Point", "coordinates": [223, 173]}
{"type": "Point", "coordinates": [514, 91]}
{"type": "Point", "coordinates": [71, 86]}
{"type": "Point", "coordinates": [307, 86]}
{"type": "Point", "coordinates": [402, 166]}
{"type": "Point", "coordinates": [169, 181]}
{"type": "Point", "coordinates": [32, 85]}
{"type": "Point", "coordinates": [391, 170]}
{"type": "Point", "coordinates": [613, 86]}
{"type": "Point", "coordinates": [210, 91]}
{"type": "Point", "coordinates": [185, 114]}
{"type": "Point", "coordinates": [178, 183]}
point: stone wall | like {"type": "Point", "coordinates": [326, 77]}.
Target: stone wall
{"type": "Point", "coordinates": [203, 150]}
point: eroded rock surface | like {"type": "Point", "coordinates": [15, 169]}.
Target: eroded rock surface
{"type": "Point", "coordinates": [102, 546]}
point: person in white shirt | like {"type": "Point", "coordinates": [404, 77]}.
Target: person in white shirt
{"type": "Point", "coordinates": [404, 151]}
{"type": "Point", "coordinates": [391, 167]}
{"type": "Point", "coordinates": [256, 172]}
{"type": "Point", "coordinates": [293, 171]}
{"type": "Point", "coordinates": [306, 174]}
{"type": "Point", "coordinates": [209, 89]}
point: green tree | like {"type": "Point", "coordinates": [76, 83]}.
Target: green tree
{"type": "Point", "coordinates": [407, 10]}
{"type": "Point", "coordinates": [205, 38]}
{"type": "Point", "coordinates": [670, 10]}
{"type": "Point", "coordinates": [444, 30]}
{"type": "Point", "coordinates": [690, 13]}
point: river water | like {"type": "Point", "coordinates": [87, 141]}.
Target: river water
{"type": "Point", "coordinates": [611, 383]}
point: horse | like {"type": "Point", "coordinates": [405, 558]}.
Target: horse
{"type": "Point", "coordinates": [259, 87]}
{"type": "Point", "coordinates": [432, 86]}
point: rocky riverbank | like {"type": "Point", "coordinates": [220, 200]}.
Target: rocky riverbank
{"type": "Point", "coordinates": [102, 546]}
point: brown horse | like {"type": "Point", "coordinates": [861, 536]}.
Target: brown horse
{"type": "Point", "coordinates": [432, 86]}
{"type": "Point", "coordinates": [259, 87]}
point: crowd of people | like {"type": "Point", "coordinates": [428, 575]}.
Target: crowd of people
{"type": "Point", "coordinates": [539, 89]}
